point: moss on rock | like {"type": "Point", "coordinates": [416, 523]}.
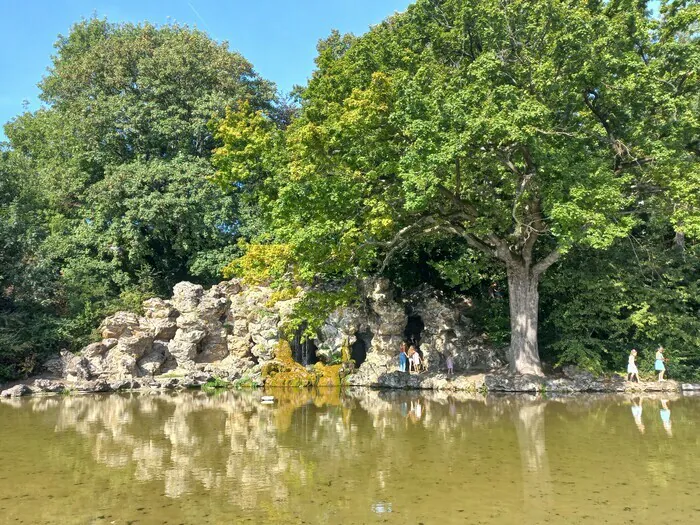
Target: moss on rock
{"type": "Point", "coordinates": [283, 371]}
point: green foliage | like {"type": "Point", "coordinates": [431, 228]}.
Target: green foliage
{"type": "Point", "coordinates": [641, 293]}
{"type": "Point", "coordinates": [28, 289]}
{"type": "Point", "coordinates": [453, 144]}
{"type": "Point", "coordinates": [526, 129]}
{"type": "Point", "coordinates": [245, 382]}
{"type": "Point", "coordinates": [314, 307]}
{"type": "Point", "coordinates": [111, 196]}
{"type": "Point", "coordinates": [215, 384]}
{"type": "Point", "coordinates": [262, 264]}
{"type": "Point", "coordinates": [491, 316]}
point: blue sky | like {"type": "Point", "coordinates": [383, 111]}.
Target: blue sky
{"type": "Point", "coordinates": [279, 37]}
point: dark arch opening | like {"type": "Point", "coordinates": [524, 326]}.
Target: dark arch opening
{"type": "Point", "coordinates": [303, 350]}
{"type": "Point", "coordinates": [414, 330]}
{"type": "Point", "coordinates": [358, 350]}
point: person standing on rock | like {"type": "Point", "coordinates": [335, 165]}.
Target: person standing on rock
{"type": "Point", "coordinates": [403, 358]}
{"type": "Point", "coordinates": [416, 359]}
{"type": "Point", "coordinates": [450, 362]}
{"type": "Point", "coordinates": [659, 365]}
{"type": "Point", "coordinates": [632, 370]}
{"type": "Point", "coordinates": [411, 353]}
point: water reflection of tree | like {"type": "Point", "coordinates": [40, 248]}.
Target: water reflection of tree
{"type": "Point", "coordinates": [263, 457]}
{"type": "Point", "coordinates": [529, 419]}
{"type": "Point", "coordinates": [328, 455]}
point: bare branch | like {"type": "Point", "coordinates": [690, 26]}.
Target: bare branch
{"type": "Point", "coordinates": [458, 203]}
{"type": "Point", "coordinates": [554, 132]}
{"type": "Point", "coordinates": [508, 163]}
{"type": "Point", "coordinates": [533, 229]}
{"type": "Point", "coordinates": [636, 163]}
{"type": "Point", "coordinates": [597, 113]}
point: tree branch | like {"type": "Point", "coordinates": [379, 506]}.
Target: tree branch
{"type": "Point", "coordinates": [634, 163]}
{"type": "Point", "coordinates": [458, 202]}
{"type": "Point", "coordinates": [398, 241]}
{"type": "Point", "coordinates": [545, 263]}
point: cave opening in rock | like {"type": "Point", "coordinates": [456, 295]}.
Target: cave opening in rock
{"type": "Point", "coordinates": [303, 349]}
{"type": "Point", "coordinates": [358, 350]}
{"type": "Point", "coordinates": [413, 331]}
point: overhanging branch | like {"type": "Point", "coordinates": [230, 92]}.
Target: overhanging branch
{"type": "Point", "coordinates": [542, 266]}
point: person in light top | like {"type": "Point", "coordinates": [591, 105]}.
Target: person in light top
{"type": "Point", "coordinates": [416, 360]}
{"type": "Point", "coordinates": [659, 363]}
{"type": "Point", "coordinates": [632, 371]}
{"type": "Point", "coordinates": [450, 362]}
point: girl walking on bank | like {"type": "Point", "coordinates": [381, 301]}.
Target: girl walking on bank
{"type": "Point", "coordinates": [659, 365]}
{"type": "Point", "coordinates": [632, 371]}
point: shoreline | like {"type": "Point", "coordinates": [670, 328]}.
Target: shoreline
{"type": "Point", "coordinates": [484, 383]}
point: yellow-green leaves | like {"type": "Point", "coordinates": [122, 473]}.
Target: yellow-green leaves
{"type": "Point", "coordinates": [262, 263]}
{"type": "Point", "coordinates": [248, 138]}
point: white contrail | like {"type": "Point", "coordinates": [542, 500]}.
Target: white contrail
{"type": "Point", "coordinates": [206, 26]}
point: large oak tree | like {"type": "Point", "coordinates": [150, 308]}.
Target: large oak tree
{"type": "Point", "coordinates": [523, 127]}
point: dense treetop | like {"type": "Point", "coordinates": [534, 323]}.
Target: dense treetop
{"type": "Point", "coordinates": [455, 144]}
{"type": "Point", "coordinates": [115, 166]}
{"type": "Point", "coordinates": [523, 128]}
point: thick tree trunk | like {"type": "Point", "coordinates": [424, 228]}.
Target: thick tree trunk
{"type": "Point", "coordinates": [524, 304]}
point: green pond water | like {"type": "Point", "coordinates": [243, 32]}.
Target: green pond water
{"type": "Point", "coordinates": [353, 457]}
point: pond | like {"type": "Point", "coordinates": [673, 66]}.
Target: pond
{"type": "Point", "coordinates": [359, 456]}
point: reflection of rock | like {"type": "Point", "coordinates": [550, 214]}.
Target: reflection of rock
{"type": "Point", "coordinates": [247, 451]}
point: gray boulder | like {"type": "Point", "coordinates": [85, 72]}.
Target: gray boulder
{"type": "Point", "coordinates": [514, 383]}
{"type": "Point", "coordinates": [136, 344]}
{"type": "Point", "coordinates": [159, 309]}
{"type": "Point", "coordinates": [78, 368]}
{"type": "Point", "coordinates": [48, 385]}
{"type": "Point", "coordinates": [16, 391]}
{"type": "Point", "coordinates": [153, 359]}
{"type": "Point", "coordinates": [186, 296]}
{"type": "Point", "coordinates": [57, 364]}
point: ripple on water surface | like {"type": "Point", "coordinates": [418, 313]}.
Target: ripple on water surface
{"type": "Point", "coordinates": [360, 456]}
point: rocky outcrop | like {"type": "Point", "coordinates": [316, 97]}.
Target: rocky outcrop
{"type": "Point", "coordinates": [235, 332]}
{"type": "Point", "coordinates": [231, 330]}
